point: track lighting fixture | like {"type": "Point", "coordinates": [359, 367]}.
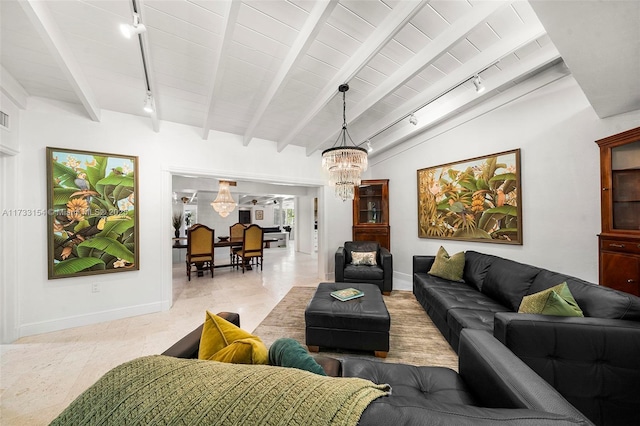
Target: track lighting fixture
{"type": "Point", "coordinates": [369, 147]}
{"type": "Point", "coordinates": [129, 30]}
{"type": "Point", "coordinates": [148, 103]}
{"type": "Point", "coordinates": [478, 83]}
{"type": "Point", "coordinates": [413, 120]}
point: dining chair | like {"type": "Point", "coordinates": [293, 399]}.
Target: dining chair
{"type": "Point", "coordinates": [200, 248]}
{"type": "Point", "coordinates": [236, 231]}
{"type": "Point", "coordinates": [252, 246]}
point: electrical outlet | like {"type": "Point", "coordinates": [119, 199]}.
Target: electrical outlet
{"type": "Point", "coordinates": [95, 288]}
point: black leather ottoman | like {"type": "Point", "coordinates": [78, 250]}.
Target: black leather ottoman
{"type": "Point", "coordinates": [357, 324]}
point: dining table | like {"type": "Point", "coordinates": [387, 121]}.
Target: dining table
{"type": "Point", "coordinates": [181, 242]}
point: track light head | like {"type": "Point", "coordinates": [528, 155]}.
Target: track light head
{"type": "Point", "coordinates": [369, 147]}
{"type": "Point", "coordinates": [149, 106]}
{"type": "Point", "coordinates": [477, 82]}
{"type": "Point", "coordinates": [129, 30]}
{"type": "Point", "coordinates": [413, 120]}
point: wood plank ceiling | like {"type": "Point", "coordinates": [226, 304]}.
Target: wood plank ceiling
{"type": "Point", "coordinates": [270, 69]}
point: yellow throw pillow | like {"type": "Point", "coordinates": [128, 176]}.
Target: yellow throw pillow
{"type": "Point", "coordinates": [243, 351]}
{"type": "Point", "coordinates": [217, 334]}
{"type": "Point", "coordinates": [556, 300]}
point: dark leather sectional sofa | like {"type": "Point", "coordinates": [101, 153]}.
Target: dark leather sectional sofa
{"type": "Point", "coordinates": [594, 362]}
{"type": "Point", "coordinates": [492, 387]}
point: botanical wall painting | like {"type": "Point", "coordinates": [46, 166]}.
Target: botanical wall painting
{"type": "Point", "coordinates": [93, 219]}
{"type": "Point", "coordinates": [473, 200]}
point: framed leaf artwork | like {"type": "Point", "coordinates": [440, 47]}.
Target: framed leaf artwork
{"type": "Point", "coordinates": [473, 200]}
{"type": "Point", "coordinates": [92, 213]}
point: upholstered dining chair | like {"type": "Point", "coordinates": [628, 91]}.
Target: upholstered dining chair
{"type": "Point", "coordinates": [252, 246]}
{"type": "Point", "coordinates": [236, 231]}
{"type": "Point", "coordinates": [200, 248]}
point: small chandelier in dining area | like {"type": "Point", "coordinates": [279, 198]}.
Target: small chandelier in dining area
{"type": "Point", "coordinates": [224, 203]}
{"type": "Point", "coordinates": [345, 163]}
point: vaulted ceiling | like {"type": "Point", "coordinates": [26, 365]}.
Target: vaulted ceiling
{"type": "Point", "coordinates": [270, 69]}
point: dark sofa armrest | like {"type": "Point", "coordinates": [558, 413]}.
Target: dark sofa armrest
{"type": "Point", "coordinates": [188, 346]}
{"type": "Point", "coordinates": [502, 380]}
{"type": "Point", "coordinates": [386, 261]}
{"type": "Point", "coordinates": [341, 258]}
{"type": "Point", "coordinates": [579, 356]}
{"type": "Point", "coordinates": [422, 263]}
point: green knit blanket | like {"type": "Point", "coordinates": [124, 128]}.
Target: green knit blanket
{"type": "Point", "coordinates": [161, 390]}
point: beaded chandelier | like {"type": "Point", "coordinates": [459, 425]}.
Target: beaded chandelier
{"type": "Point", "coordinates": [224, 203]}
{"type": "Point", "coordinates": [344, 163]}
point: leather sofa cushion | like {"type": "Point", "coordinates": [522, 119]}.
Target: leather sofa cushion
{"type": "Point", "coordinates": [425, 383]}
{"type": "Point", "coordinates": [508, 282]}
{"type": "Point", "coordinates": [476, 266]}
{"type": "Point", "coordinates": [465, 298]}
{"type": "Point", "coordinates": [594, 300]}
{"type": "Point", "coordinates": [459, 319]}
{"type": "Point", "coordinates": [363, 272]}
{"type": "Point", "coordinates": [391, 410]}
{"type": "Point", "coordinates": [592, 362]}
{"type": "Point", "coordinates": [426, 280]}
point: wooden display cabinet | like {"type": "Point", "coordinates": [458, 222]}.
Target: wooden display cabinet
{"type": "Point", "coordinates": [619, 241]}
{"type": "Point", "coordinates": [371, 212]}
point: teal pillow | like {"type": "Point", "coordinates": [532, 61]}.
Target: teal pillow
{"type": "Point", "coordinates": [287, 352]}
{"type": "Point", "coordinates": [448, 267]}
{"type": "Point", "coordinates": [556, 300]}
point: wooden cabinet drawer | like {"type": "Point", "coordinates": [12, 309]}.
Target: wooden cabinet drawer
{"type": "Point", "coordinates": [621, 272]}
{"type": "Point", "coordinates": [620, 246]}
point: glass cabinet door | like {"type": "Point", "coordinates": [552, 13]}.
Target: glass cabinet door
{"type": "Point", "coordinates": [370, 206]}
{"type": "Point", "coordinates": [625, 187]}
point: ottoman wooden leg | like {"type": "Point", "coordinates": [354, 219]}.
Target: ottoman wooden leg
{"type": "Point", "coordinates": [380, 354]}
{"type": "Point", "coordinates": [315, 348]}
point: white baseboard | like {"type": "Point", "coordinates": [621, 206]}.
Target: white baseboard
{"type": "Point", "coordinates": [402, 281]}
{"type": "Point", "coordinates": [88, 319]}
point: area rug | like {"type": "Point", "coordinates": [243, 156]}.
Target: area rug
{"type": "Point", "coordinates": [413, 338]}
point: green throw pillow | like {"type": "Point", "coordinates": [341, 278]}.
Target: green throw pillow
{"type": "Point", "coordinates": [287, 352]}
{"type": "Point", "coordinates": [556, 300]}
{"type": "Point", "coordinates": [448, 267]}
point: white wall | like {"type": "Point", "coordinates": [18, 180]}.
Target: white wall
{"type": "Point", "coordinates": [555, 128]}
{"type": "Point", "coordinates": [304, 224]}
{"type": "Point", "coordinates": [42, 305]}
{"type": "Point", "coordinates": [9, 146]}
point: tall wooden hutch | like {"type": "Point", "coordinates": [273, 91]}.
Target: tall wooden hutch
{"type": "Point", "coordinates": [371, 212]}
{"type": "Point", "coordinates": [619, 241]}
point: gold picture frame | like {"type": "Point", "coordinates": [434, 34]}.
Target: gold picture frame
{"type": "Point", "coordinates": [92, 214]}
{"type": "Point", "coordinates": [472, 200]}
{"type": "Point", "coordinates": [259, 214]}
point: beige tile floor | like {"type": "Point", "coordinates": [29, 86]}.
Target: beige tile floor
{"type": "Point", "coordinates": [40, 375]}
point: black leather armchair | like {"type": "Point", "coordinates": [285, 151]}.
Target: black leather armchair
{"type": "Point", "coordinates": [380, 274]}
